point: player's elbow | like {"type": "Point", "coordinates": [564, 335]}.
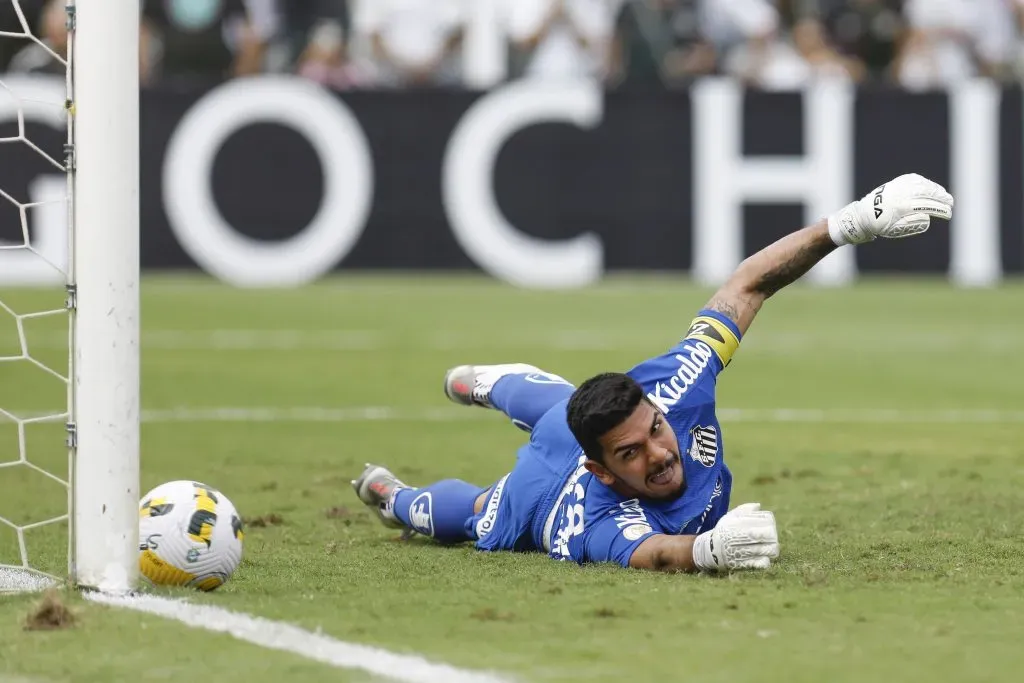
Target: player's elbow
{"type": "Point", "coordinates": [747, 281]}
{"type": "Point", "coordinates": [666, 562]}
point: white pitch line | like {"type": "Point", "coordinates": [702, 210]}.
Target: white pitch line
{"type": "Point", "coordinates": [276, 635]}
{"type": "Point", "coordinates": [872, 416]}
{"type": "Point", "coordinates": [263, 340]}
{"type": "Point", "coordinates": [313, 414]}
{"type": "Point", "coordinates": [997, 340]}
{"type": "Point", "coordinates": [383, 413]}
{"type": "Point", "coordinates": [309, 414]}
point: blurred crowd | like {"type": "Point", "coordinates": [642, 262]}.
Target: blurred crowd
{"type": "Point", "coordinates": [376, 44]}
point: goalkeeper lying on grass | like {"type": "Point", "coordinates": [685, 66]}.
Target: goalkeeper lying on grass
{"type": "Point", "coordinates": [629, 468]}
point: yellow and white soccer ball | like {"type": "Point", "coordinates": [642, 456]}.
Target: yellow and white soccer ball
{"type": "Point", "coordinates": [189, 535]}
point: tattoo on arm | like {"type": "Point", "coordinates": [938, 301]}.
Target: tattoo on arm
{"type": "Point", "coordinates": [793, 267]}
{"type": "Point", "coordinates": [768, 271]}
{"type": "Point", "coordinates": [725, 307]}
{"type": "Point", "coordinates": [738, 307]}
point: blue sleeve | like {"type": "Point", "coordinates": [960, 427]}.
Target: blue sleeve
{"type": "Point", "coordinates": [610, 539]}
{"type": "Point", "coordinates": [686, 373]}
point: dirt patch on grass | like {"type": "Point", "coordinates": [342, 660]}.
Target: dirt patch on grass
{"type": "Point", "coordinates": [338, 512]}
{"type": "Point", "coordinates": [272, 519]}
{"type": "Point", "coordinates": [50, 614]}
{"type": "Point", "coordinates": [491, 614]}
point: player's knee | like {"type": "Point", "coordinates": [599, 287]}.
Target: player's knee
{"type": "Point", "coordinates": [481, 500]}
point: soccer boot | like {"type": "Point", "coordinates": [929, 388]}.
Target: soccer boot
{"type": "Point", "coordinates": [376, 487]}
{"type": "Point", "coordinates": [470, 385]}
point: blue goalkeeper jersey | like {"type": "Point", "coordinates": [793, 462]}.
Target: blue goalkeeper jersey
{"type": "Point", "coordinates": [588, 522]}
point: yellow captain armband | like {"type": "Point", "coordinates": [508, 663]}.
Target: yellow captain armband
{"type": "Point", "coordinates": [715, 334]}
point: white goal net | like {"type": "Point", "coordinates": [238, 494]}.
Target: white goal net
{"type": "Point", "coordinates": [68, 294]}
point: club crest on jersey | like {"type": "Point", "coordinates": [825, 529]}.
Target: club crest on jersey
{"type": "Point", "coordinates": [704, 445]}
{"type": "Point", "coordinates": [421, 514]}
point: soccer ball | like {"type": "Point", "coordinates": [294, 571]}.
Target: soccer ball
{"type": "Point", "coordinates": [189, 535]}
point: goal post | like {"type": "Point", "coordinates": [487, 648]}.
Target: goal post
{"type": "Point", "coordinates": [103, 292]}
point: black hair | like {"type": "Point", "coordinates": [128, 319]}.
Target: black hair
{"type": "Point", "coordinates": [600, 405]}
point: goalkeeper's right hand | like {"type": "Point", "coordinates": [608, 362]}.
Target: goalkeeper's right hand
{"type": "Point", "coordinates": [745, 538]}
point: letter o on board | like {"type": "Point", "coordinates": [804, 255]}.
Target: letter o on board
{"type": "Point", "coordinates": [348, 186]}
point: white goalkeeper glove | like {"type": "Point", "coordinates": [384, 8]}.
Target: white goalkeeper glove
{"type": "Point", "coordinates": [899, 208]}
{"type": "Point", "coordinates": [745, 538]}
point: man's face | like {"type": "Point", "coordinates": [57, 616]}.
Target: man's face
{"type": "Point", "coordinates": [641, 457]}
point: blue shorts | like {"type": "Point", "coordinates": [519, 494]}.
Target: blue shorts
{"type": "Point", "coordinates": [519, 503]}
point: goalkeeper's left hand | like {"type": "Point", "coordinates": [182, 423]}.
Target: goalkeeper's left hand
{"type": "Point", "coordinates": [901, 207]}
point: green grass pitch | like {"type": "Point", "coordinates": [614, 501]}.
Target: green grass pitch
{"type": "Point", "coordinates": [898, 495]}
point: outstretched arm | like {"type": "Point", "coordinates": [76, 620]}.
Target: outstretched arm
{"type": "Point", "coordinates": [769, 270]}
{"type": "Point", "coordinates": [900, 208]}
{"type": "Point", "coordinates": [745, 538]}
